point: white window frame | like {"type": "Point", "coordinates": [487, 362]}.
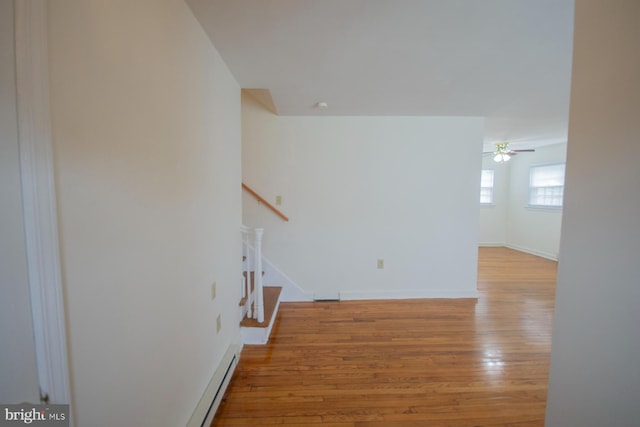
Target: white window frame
{"type": "Point", "coordinates": [489, 189]}
{"type": "Point", "coordinates": [546, 195]}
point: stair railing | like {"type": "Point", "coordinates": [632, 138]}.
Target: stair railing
{"type": "Point", "coordinates": [252, 256]}
{"type": "Point", "coordinates": [264, 201]}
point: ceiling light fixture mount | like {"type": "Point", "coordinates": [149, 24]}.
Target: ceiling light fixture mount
{"type": "Point", "coordinates": [321, 104]}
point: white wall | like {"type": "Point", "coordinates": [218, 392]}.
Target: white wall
{"type": "Point", "coordinates": [18, 370]}
{"type": "Point", "coordinates": [493, 218]}
{"type": "Point", "coordinates": [510, 222]}
{"type": "Point", "coordinates": [358, 189]}
{"type": "Point", "coordinates": [533, 230]}
{"type": "Point", "coordinates": [146, 123]}
{"type": "Point", "coordinates": [595, 358]}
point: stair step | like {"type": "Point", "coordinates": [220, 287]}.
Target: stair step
{"type": "Point", "coordinates": [271, 300]}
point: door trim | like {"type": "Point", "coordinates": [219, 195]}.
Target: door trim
{"type": "Point", "coordinates": [39, 201]}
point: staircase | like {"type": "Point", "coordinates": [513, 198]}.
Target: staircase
{"type": "Point", "coordinates": [259, 304]}
{"type": "Point", "coordinates": [254, 332]}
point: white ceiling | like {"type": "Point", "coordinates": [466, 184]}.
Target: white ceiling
{"type": "Point", "coordinates": [506, 60]}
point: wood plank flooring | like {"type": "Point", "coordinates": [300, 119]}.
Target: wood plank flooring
{"type": "Point", "coordinates": [441, 362]}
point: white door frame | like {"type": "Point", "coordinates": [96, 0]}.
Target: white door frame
{"type": "Point", "coordinates": [39, 201]}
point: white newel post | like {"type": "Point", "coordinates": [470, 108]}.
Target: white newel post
{"type": "Point", "coordinates": [259, 296]}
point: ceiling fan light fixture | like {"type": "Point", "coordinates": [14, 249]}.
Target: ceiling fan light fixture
{"type": "Point", "coordinates": [500, 157]}
{"type": "Point", "coordinates": [502, 152]}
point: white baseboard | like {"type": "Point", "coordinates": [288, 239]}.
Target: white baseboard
{"type": "Point", "coordinates": [406, 294]}
{"type": "Point", "coordinates": [547, 255]}
{"type": "Point", "coordinates": [212, 396]}
{"type": "Point", "coordinates": [492, 244]}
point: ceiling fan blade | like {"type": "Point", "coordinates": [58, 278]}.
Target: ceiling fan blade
{"type": "Point", "coordinates": [531, 150]}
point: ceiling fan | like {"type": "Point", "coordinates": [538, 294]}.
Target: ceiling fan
{"type": "Point", "coordinates": [503, 153]}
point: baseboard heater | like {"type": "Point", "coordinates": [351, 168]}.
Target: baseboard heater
{"type": "Point", "coordinates": [208, 405]}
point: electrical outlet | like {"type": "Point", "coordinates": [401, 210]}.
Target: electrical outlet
{"type": "Point", "coordinates": [278, 200]}
{"type": "Point", "coordinates": [213, 291]}
{"type": "Point", "coordinates": [380, 263]}
{"type": "Point", "coordinates": [218, 323]}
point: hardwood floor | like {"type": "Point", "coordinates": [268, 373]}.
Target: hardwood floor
{"type": "Point", "coordinates": [439, 362]}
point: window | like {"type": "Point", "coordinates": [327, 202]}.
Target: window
{"type": "Point", "coordinates": [546, 185]}
{"type": "Point", "coordinates": [486, 187]}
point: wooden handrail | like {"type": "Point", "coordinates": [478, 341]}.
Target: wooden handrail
{"type": "Point", "coordinates": [263, 200]}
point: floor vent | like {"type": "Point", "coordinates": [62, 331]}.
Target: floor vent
{"type": "Point", "coordinates": [326, 296]}
{"type": "Point", "coordinates": [208, 405]}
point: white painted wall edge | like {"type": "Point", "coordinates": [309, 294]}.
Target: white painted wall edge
{"type": "Point", "coordinates": [491, 244]}
{"type": "Point", "coordinates": [542, 254]}
{"type": "Point", "coordinates": [39, 200]}
{"type": "Point", "coordinates": [407, 294]}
